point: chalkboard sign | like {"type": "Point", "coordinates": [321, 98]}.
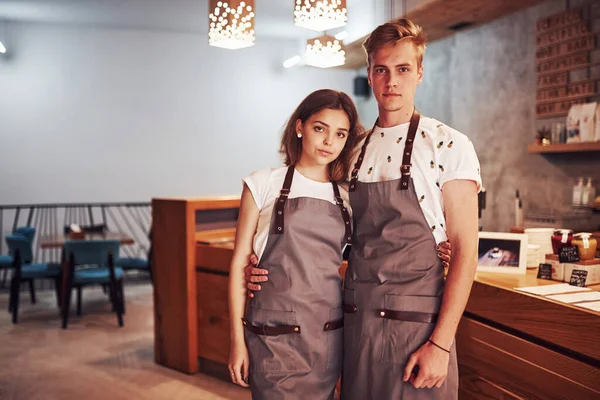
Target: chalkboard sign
{"type": "Point", "coordinates": [578, 277]}
{"type": "Point", "coordinates": [545, 271]}
{"type": "Point", "coordinates": [568, 254]}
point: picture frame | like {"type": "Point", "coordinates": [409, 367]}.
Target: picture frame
{"type": "Point", "coordinates": [502, 252]}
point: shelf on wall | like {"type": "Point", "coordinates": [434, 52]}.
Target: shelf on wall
{"type": "Point", "coordinates": [564, 148]}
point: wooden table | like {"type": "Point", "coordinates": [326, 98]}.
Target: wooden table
{"type": "Point", "coordinates": [58, 241]}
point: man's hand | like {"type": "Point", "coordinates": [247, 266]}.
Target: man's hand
{"type": "Point", "coordinates": [433, 367]}
{"type": "Point", "coordinates": [254, 275]}
{"type": "Point", "coordinates": [445, 253]}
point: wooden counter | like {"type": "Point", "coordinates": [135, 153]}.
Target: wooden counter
{"type": "Point", "coordinates": [177, 227]}
{"type": "Point", "coordinates": [515, 345]}
{"type": "Point", "coordinates": [510, 344]}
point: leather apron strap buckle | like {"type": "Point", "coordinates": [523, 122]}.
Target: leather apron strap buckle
{"type": "Point", "coordinates": [349, 309]}
{"type": "Point", "coordinates": [333, 325]}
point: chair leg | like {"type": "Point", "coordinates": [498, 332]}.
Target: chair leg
{"type": "Point", "coordinates": [57, 290]}
{"type": "Point", "coordinates": [15, 304]}
{"type": "Point", "coordinates": [79, 300]}
{"type": "Point", "coordinates": [32, 291]}
{"type": "Point", "coordinates": [116, 305]}
{"type": "Point", "coordinates": [11, 298]}
{"type": "Point", "coordinates": [4, 276]}
{"type": "Point", "coordinates": [122, 296]}
{"type": "Point", "coordinates": [67, 304]}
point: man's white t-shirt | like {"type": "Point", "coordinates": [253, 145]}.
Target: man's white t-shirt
{"type": "Point", "coordinates": [440, 154]}
{"type": "Point", "coordinates": [265, 186]}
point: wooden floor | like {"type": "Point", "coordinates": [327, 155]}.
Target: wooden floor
{"type": "Point", "coordinates": [93, 358]}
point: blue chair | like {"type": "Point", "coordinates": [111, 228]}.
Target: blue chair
{"type": "Point", "coordinates": [20, 250]}
{"type": "Point", "coordinates": [6, 261]}
{"type": "Point", "coordinates": [27, 231]}
{"type": "Point", "coordinates": [136, 263]}
{"type": "Point", "coordinates": [92, 263]}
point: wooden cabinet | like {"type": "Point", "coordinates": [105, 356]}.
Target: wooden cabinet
{"type": "Point", "coordinates": [515, 345]}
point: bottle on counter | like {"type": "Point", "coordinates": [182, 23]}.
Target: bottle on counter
{"type": "Point", "coordinates": [588, 193]}
{"type": "Point", "coordinates": [577, 192]}
{"type": "Point", "coordinates": [518, 209]}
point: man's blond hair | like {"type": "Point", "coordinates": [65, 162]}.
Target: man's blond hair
{"type": "Point", "coordinates": [394, 32]}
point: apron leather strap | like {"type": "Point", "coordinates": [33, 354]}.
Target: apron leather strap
{"type": "Point", "coordinates": [412, 316]}
{"type": "Point", "coordinates": [280, 203]}
{"type": "Point", "coordinates": [408, 148]}
{"type": "Point", "coordinates": [359, 161]}
{"type": "Point", "coordinates": [271, 330]}
{"type": "Point", "coordinates": [345, 214]}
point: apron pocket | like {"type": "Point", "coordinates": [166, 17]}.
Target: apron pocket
{"type": "Point", "coordinates": [402, 338]}
{"type": "Point", "coordinates": [275, 354]}
{"type": "Point", "coordinates": [335, 342]}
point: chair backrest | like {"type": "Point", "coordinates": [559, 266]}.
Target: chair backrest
{"type": "Point", "coordinates": [91, 252]}
{"type": "Point", "coordinates": [19, 243]}
{"type": "Point", "coordinates": [27, 231]}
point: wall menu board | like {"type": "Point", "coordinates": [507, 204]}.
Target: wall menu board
{"type": "Point", "coordinates": [564, 44]}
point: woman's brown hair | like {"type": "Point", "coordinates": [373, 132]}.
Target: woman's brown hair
{"type": "Point", "coordinates": [291, 145]}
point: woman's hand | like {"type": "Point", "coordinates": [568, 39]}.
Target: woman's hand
{"type": "Point", "coordinates": [239, 363]}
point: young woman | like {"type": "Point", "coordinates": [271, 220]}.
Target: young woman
{"type": "Point", "coordinates": [295, 219]}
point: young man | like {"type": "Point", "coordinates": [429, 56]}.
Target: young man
{"type": "Point", "coordinates": [414, 184]}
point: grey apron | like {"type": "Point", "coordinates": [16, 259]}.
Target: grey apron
{"type": "Point", "coordinates": [294, 323]}
{"type": "Point", "coordinates": [393, 288]}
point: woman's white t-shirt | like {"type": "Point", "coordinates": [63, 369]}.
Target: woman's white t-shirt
{"type": "Point", "coordinates": [440, 154]}
{"type": "Point", "coordinates": [265, 186]}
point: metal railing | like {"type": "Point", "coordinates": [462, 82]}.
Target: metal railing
{"type": "Point", "coordinates": [132, 219]}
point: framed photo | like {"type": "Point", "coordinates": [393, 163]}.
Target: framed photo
{"type": "Point", "coordinates": [502, 252]}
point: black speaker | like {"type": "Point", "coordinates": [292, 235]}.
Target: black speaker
{"type": "Point", "coordinates": [361, 87]}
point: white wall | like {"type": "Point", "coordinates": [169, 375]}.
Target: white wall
{"type": "Point", "coordinates": [89, 114]}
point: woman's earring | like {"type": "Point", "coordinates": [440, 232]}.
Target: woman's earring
{"type": "Point", "coordinates": [299, 135]}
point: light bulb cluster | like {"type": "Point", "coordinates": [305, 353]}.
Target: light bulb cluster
{"type": "Point", "coordinates": [320, 15]}
{"type": "Point", "coordinates": [231, 24]}
{"type": "Point", "coordinates": [325, 52]}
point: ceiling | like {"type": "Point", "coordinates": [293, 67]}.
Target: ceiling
{"type": "Point", "coordinates": [274, 18]}
{"type": "Point", "coordinates": [438, 17]}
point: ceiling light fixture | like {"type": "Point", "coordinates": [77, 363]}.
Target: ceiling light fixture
{"type": "Point", "coordinates": [324, 52]}
{"type": "Point", "coordinates": [341, 35]}
{"type": "Point", "coordinates": [290, 62]}
{"type": "Point", "coordinates": [320, 15]}
{"type": "Point", "coordinates": [231, 24]}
